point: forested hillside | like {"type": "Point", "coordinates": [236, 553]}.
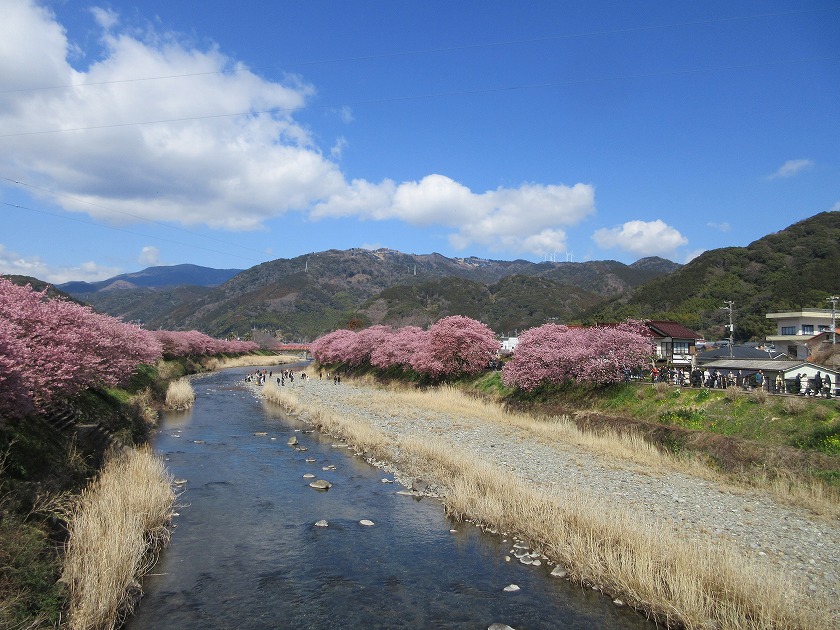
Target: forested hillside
{"type": "Point", "coordinates": [305, 297]}
{"type": "Point", "coordinates": [795, 268]}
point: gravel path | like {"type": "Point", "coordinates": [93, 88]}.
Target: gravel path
{"type": "Point", "coordinates": [804, 546]}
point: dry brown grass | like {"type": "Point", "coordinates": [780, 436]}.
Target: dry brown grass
{"type": "Point", "coordinates": [455, 403]}
{"type": "Point", "coordinates": [115, 529]}
{"type": "Point", "coordinates": [674, 580]}
{"type": "Point", "coordinates": [180, 394]}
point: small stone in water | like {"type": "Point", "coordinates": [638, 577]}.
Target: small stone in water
{"type": "Point", "coordinates": [261, 433]}
{"type": "Point", "coordinates": [511, 588]}
{"type": "Point", "coordinates": [310, 460]}
{"type": "Point", "coordinates": [618, 602]}
{"type": "Point", "coordinates": [308, 476]}
{"type": "Point", "coordinates": [499, 626]}
{"type": "Point", "coordinates": [559, 572]}
{"type": "Point", "coordinates": [366, 522]}
{"type": "Point", "coordinates": [180, 482]}
{"type": "Point", "coordinates": [384, 480]}
{"type": "Point", "coordinates": [322, 523]}
{"type": "Point", "coordinates": [292, 441]}
{"type": "Point", "coordinates": [320, 484]}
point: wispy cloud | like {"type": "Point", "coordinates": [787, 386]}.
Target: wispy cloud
{"type": "Point", "coordinates": [721, 227]}
{"type": "Point", "coordinates": [791, 168]}
{"type": "Point", "coordinates": [150, 256]}
{"type": "Point", "coordinates": [12, 263]}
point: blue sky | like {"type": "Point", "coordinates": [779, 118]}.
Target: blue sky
{"type": "Point", "coordinates": [135, 134]}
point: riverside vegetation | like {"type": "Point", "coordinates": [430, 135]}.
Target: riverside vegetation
{"type": "Point", "coordinates": [442, 435]}
{"type": "Point", "coordinates": [73, 543]}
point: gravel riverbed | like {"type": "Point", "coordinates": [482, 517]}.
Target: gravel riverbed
{"type": "Point", "coordinates": [803, 546]}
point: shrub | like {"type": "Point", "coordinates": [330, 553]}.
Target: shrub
{"type": "Point", "coordinates": [759, 396]}
{"type": "Point", "coordinates": [661, 390]}
{"type": "Point", "coordinates": [734, 394]}
{"type": "Point", "coordinates": [793, 406]}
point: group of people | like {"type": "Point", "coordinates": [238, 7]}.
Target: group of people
{"type": "Point", "coordinates": [818, 386]}
{"type": "Point", "coordinates": [260, 376]}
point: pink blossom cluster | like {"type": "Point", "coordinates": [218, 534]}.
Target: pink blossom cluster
{"type": "Point", "coordinates": [176, 344]}
{"type": "Point", "coordinates": [52, 349]}
{"type": "Point", "coordinates": [599, 354]}
{"type": "Point", "coordinates": [56, 348]}
{"type": "Point", "coordinates": [452, 346]}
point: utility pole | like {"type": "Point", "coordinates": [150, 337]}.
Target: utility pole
{"type": "Point", "coordinates": [730, 306]}
{"type": "Point", "coordinates": [833, 299]}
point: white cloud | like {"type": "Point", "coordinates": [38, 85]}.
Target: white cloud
{"type": "Point", "coordinates": [722, 227]}
{"type": "Point", "coordinates": [524, 219]}
{"type": "Point", "coordinates": [232, 172]}
{"type": "Point", "coordinates": [12, 263]}
{"type": "Point", "coordinates": [338, 148]}
{"type": "Point", "coordinates": [791, 168]}
{"type": "Point", "coordinates": [835, 207]}
{"type": "Point", "coordinates": [150, 256]}
{"type": "Point", "coordinates": [645, 238]}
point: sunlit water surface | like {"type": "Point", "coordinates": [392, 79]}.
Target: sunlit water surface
{"type": "Point", "coordinates": [246, 553]}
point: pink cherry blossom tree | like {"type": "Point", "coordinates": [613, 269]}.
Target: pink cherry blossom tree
{"type": "Point", "coordinates": [333, 347]}
{"type": "Point", "coordinates": [57, 348]}
{"type": "Point", "coordinates": [399, 348]}
{"type": "Point", "coordinates": [456, 345]}
{"type": "Point", "coordinates": [553, 354]}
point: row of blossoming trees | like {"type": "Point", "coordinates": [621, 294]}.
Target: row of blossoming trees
{"type": "Point", "coordinates": [54, 349]}
{"type": "Point", "coordinates": [549, 354]}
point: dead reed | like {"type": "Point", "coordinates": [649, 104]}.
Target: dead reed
{"type": "Point", "coordinates": [180, 394]}
{"type": "Point", "coordinates": [115, 530]}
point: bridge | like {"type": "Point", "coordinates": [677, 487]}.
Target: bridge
{"type": "Point", "coordinates": [292, 348]}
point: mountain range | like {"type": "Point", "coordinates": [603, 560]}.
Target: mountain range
{"type": "Point", "coordinates": [301, 298]}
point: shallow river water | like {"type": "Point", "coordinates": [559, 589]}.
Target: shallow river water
{"type": "Point", "coordinates": [245, 552]}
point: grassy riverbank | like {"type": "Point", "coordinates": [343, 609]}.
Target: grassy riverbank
{"type": "Point", "coordinates": [46, 460]}
{"type": "Point", "coordinates": [678, 581]}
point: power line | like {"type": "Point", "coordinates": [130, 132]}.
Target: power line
{"type": "Point", "coordinates": [416, 97]}
{"type": "Point", "coordinates": [430, 51]}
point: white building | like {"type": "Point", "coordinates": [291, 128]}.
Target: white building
{"type": "Point", "coordinates": [795, 328]}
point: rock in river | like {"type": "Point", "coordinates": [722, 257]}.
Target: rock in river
{"type": "Point", "coordinates": [320, 484]}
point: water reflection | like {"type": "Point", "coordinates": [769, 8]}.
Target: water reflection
{"type": "Point", "coordinates": [246, 552]}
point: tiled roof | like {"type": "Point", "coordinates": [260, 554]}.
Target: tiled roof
{"type": "Point", "coordinates": [671, 329]}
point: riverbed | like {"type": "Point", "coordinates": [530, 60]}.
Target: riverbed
{"type": "Point", "coordinates": [246, 551]}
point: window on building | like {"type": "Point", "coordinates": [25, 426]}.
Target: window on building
{"type": "Point", "coordinates": [824, 328]}
{"type": "Point", "coordinates": [680, 347]}
{"type": "Point", "coordinates": [807, 329]}
{"type": "Point", "coordinates": [788, 330]}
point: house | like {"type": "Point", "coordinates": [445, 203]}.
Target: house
{"type": "Point", "coordinates": [675, 344]}
{"type": "Point", "coordinates": [795, 328]}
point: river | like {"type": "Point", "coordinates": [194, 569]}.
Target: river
{"type": "Point", "coordinates": [246, 553]}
